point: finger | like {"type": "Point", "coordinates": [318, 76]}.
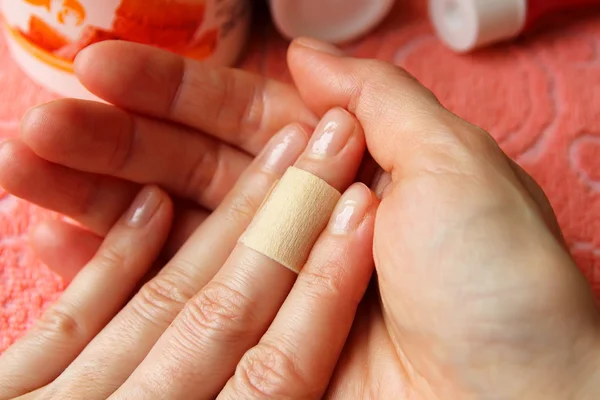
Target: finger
{"type": "Point", "coordinates": [95, 201]}
{"type": "Point", "coordinates": [63, 247]}
{"type": "Point", "coordinates": [155, 306]}
{"type": "Point", "coordinates": [99, 138]}
{"type": "Point", "coordinates": [407, 129]}
{"type": "Point", "coordinates": [231, 313]}
{"type": "Point", "coordinates": [32, 395]}
{"type": "Point", "coordinates": [296, 357]}
{"type": "Point", "coordinates": [237, 107]}
{"type": "Point", "coordinates": [69, 325]}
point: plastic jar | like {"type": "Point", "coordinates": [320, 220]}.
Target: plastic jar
{"type": "Point", "coordinates": [334, 21]}
{"type": "Point", "coordinates": [44, 36]}
{"type": "Point", "coordinates": [465, 25]}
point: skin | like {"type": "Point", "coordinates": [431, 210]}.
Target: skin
{"type": "Point", "coordinates": [475, 296]}
{"type": "Point", "coordinates": [218, 317]}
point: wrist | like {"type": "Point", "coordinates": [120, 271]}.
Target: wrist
{"type": "Point", "coordinates": [572, 372]}
{"type": "Point", "coordinates": [590, 384]}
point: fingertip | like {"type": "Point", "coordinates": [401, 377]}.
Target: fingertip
{"type": "Point", "coordinates": [98, 67]}
{"type": "Point", "coordinates": [46, 129]}
{"type": "Point", "coordinates": [63, 247]}
{"type": "Point", "coordinates": [88, 59]}
{"type": "Point", "coordinates": [393, 108]}
{"type": "Point", "coordinates": [83, 58]}
{"type": "Point", "coordinates": [317, 45]}
{"type": "Point", "coordinates": [35, 120]}
{"type": "Point", "coordinates": [307, 57]}
{"type": "Point", "coordinates": [130, 75]}
{"type": "Point", "coordinates": [298, 53]}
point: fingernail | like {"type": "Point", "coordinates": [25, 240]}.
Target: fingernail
{"type": "Point", "coordinates": [322, 47]}
{"type": "Point", "coordinates": [143, 207]}
{"type": "Point", "coordinates": [350, 210]}
{"type": "Point", "coordinates": [81, 59]}
{"type": "Point", "coordinates": [284, 148]}
{"type": "Point", "coordinates": [331, 134]}
{"type": "Point", "coordinates": [34, 119]}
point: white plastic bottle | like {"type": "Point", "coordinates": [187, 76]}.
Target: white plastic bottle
{"type": "Point", "coordinates": [334, 21]}
{"type": "Point", "coordinates": [465, 25]}
{"type": "Point", "coordinates": [44, 36]}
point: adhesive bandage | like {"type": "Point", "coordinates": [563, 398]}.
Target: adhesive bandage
{"type": "Point", "coordinates": [291, 218]}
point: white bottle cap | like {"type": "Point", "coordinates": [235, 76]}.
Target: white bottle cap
{"type": "Point", "coordinates": [468, 24]}
{"type": "Point", "coordinates": [334, 21]}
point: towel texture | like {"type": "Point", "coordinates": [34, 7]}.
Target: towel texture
{"type": "Point", "coordinates": [538, 96]}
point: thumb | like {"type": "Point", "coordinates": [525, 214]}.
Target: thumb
{"type": "Point", "coordinates": [407, 128]}
{"type": "Point", "coordinates": [408, 131]}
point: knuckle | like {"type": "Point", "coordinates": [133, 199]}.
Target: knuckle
{"type": "Point", "coordinates": [386, 73]}
{"type": "Point", "coordinates": [218, 313]}
{"type": "Point", "coordinates": [241, 106]}
{"type": "Point", "coordinates": [486, 142]}
{"type": "Point", "coordinates": [182, 69]}
{"type": "Point", "coordinates": [324, 276]}
{"type": "Point", "coordinates": [110, 256]}
{"type": "Point", "coordinates": [476, 139]}
{"type": "Point", "coordinates": [252, 116]}
{"type": "Point", "coordinates": [383, 70]}
{"type": "Point", "coordinates": [223, 101]}
{"type": "Point", "coordinates": [160, 299]}
{"type": "Point", "coordinates": [60, 321]}
{"type": "Point", "coordinates": [267, 371]}
{"type": "Point", "coordinates": [242, 208]}
{"type": "Point", "coordinates": [123, 147]}
{"type": "Point", "coordinates": [202, 170]}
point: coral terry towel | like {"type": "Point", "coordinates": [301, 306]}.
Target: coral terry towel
{"type": "Point", "coordinates": [539, 97]}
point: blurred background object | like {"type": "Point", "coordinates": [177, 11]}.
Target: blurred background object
{"type": "Point", "coordinates": [465, 25]}
{"type": "Point", "coordinates": [334, 21]}
{"type": "Point", "coordinates": [45, 36]}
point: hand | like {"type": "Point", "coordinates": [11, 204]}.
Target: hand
{"type": "Point", "coordinates": [479, 298]}
{"type": "Point", "coordinates": [449, 327]}
{"type": "Point", "coordinates": [179, 124]}
{"type": "Point", "coordinates": [219, 318]}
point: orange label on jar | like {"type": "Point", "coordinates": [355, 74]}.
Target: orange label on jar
{"type": "Point", "coordinates": [55, 31]}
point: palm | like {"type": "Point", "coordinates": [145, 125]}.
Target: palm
{"type": "Point", "coordinates": [369, 366]}
{"type": "Point", "coordinates": [445, 315]}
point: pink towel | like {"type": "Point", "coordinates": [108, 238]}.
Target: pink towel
{"type": "Point", "coordinates": [538, 96]}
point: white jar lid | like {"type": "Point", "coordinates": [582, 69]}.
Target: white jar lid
{"type": "Point", "coordinates": [468, 24]}
{"type": "Point", "coordinates": [334, 21]}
